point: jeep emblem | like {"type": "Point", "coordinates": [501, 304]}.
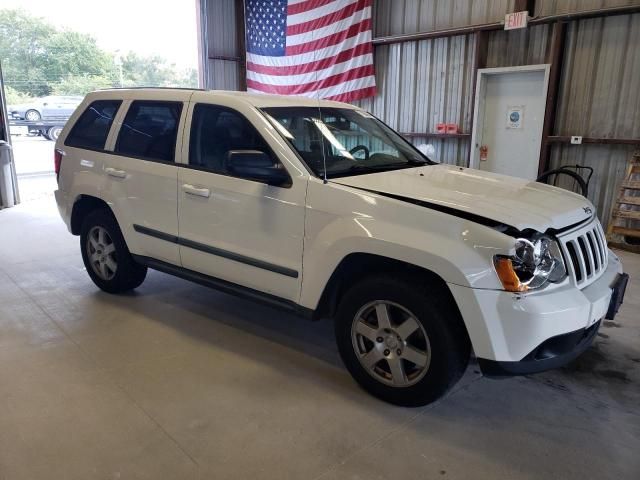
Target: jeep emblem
{"type": "Point", "coordinates": [587, 210]}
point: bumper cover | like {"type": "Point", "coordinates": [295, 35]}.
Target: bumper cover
{"type": "Point", "coordinates": [508, 327]}
{"type": "Point", "coordinates": [561, 349]}
{"type": "Point", "coordinates": [63, 207]}
{"type": "Point", "coordinates": [552, 353]}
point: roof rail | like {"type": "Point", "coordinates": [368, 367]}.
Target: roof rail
{"type": "Point", "coordinates": [152, 88]}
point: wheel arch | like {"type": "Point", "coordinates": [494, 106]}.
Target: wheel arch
{"type": "Point", "coordinates": [83, 206]}
{"type": "Point", "coordinates": [359, 265]}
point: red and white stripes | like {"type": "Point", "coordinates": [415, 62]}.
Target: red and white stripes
{"type": "Point", "coordinates": [328, 53]}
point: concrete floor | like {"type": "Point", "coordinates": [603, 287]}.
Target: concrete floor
{"type": "Point", "coordinates": [178, 381]}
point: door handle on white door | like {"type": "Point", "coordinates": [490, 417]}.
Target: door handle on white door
{"type": "Point", "coordinates": [192, 190]}
{"type": "Point", "coordinates": [115, 172]}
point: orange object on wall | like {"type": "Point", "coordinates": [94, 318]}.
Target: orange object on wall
{"type": "Point", "coordinates": [484, 153]}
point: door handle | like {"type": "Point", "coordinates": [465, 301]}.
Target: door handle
{"type": "Point", "coordinates": [198, 192]}
{"type": "Point", "coordinates": [115, 172]}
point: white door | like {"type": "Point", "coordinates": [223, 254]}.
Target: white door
{"type": "Point", "coordinates": [232, 228]}
{"type": "Point", "coordinates": [509, 120]}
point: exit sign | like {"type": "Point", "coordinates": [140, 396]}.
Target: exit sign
{"type": "Point", "coordinates": [515, 20]}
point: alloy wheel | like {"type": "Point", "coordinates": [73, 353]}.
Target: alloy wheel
{"type": "Point", "coordinates": [32, 116]}
{"type": "Point", "coordinates": [390, 343]}
{"type": "Point", "coordinates": [101, 252]}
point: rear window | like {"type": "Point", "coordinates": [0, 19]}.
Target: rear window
{"type": "Point", "coordinates": [149, 130]}
{"type": "Point", "coordinates": [92, 128]}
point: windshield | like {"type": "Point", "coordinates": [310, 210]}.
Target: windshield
{"type": "Point", "coordinates": [354, 142]}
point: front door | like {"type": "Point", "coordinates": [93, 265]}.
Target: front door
{"type": "Point", "coordinates": [232, 228]}
{"type": "Point", "coordinates": [509, 121]}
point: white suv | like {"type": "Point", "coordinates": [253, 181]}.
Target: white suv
{"type": "Point", "coordinates": [320, 208]}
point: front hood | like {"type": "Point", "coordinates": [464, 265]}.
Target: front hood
{"type": "Point", "coordinates": [513, 201]}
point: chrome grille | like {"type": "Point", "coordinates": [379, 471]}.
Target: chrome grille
{"type": "Point", "coordinates": [585, 253]}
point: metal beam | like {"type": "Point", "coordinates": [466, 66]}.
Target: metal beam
{"type": "Point", "coordinates": [435, 135]}
{"type": "Point", "coordinates": [522, 5]}
{"type": "Point", "coordinates": [447, 32]}
{"type": "Point", "coordinates": [555, 59]}
{"type": "Point", "coordinates": [479, 61]}
{"type": "Point", "coordinates": [229, 58]}
{"type": "Point", "coordinates": [241, 45]}
{"type": "Point", "coordinates": [595, 140]}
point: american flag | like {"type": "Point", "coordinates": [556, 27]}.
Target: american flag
{"type": "Point", "coordinates": [314, 48]}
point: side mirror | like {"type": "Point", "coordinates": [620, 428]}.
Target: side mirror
{"type": "Point", "coordinates": [256, 165]}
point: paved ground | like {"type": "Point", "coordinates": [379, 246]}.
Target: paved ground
{"type": "Point", "coordinates": [178, 381]}
{"type": "Point", "coordinates": [33, 157]}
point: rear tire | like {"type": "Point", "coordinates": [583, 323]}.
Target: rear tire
{"type": "Point", "coordinates": [106, 255]}
{"type": "Point", "coordinates": [412, 354]}
{"type": "Point", "coordinates": [53, 133]}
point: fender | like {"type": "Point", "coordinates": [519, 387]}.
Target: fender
{"type": "Point", "coordinates": [347, 220]}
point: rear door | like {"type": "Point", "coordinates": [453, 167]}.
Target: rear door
{"type": "Point", "coordinates": [233, 228]}
{"type": "Point", "coordinates": [141, 176]}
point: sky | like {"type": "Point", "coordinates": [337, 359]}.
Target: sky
{"type": "Point", "coordinates": [148, 27]}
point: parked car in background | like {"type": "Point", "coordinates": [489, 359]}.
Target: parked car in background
{"type": "Point", "coordinates": [58, 107]}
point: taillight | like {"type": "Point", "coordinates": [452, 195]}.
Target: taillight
{"type": "Point", "coordinates": [57, 161]}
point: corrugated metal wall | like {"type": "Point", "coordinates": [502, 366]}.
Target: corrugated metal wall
{"type": "Point", "coordinates": [599, 91]}
{"type": "Point", "coordinates": [393, 17]}
{"type": "Point", "coordinates": [551, 7]}
{"type": "Point", "coordinates": [422, 83]}
{"type": "Point", "coordinates": [219, 24]}
{"type": "Point", "coordinates": [600, 97]}
{"type": "Point", "coordinates": [599, 94]}
{"type": "Point", "coordinates": [425, 83]}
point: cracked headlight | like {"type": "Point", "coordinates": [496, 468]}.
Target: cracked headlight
{"type": "Point", "coordinates": [536, 262]}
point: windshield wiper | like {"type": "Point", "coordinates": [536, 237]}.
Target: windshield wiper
{"type": "Point", "coordinates": [360, 168]}
{"type": "Point", "coordinates": [417, 162]}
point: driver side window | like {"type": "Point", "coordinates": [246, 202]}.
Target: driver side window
{"type": "Point", "coordinates": [215, 131]}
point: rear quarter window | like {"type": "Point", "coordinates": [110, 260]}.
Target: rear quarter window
{"type": "Point", "coordinates": [149, 130]}
{"type": "Point", "coordinates": [92, 127]}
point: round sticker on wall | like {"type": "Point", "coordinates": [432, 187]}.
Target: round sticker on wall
{"type": "Point", "coordinates": [514, 116]}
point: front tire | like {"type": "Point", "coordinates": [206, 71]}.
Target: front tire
{"type": "Point", "coordinates": [32, 115]}
{"type": "Point", "coordinates": [401, 339]}
{"type": "Point", "coordinates": [106, 255]}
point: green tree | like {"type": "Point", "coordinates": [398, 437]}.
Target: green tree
{"type": "Point", "coordinates": [23, 51]}
{"type": "Point", "coordinates": [15, 97]}
{"type": "Point", "coordinates": [73, 53]}
{"type": "Point", "coordinates": [39, 60]}
{"type": "Point", "coordinates": [154, 71]}
{"type": "Point", "coordinates": [81, 84]}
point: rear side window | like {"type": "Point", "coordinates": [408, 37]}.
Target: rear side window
{"type": "Point", "coordinates": [149, 130]}
{"type": "Point", "coordinates": [216, 130]}
{"type": "Point", "coordinates": [92, 128]}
